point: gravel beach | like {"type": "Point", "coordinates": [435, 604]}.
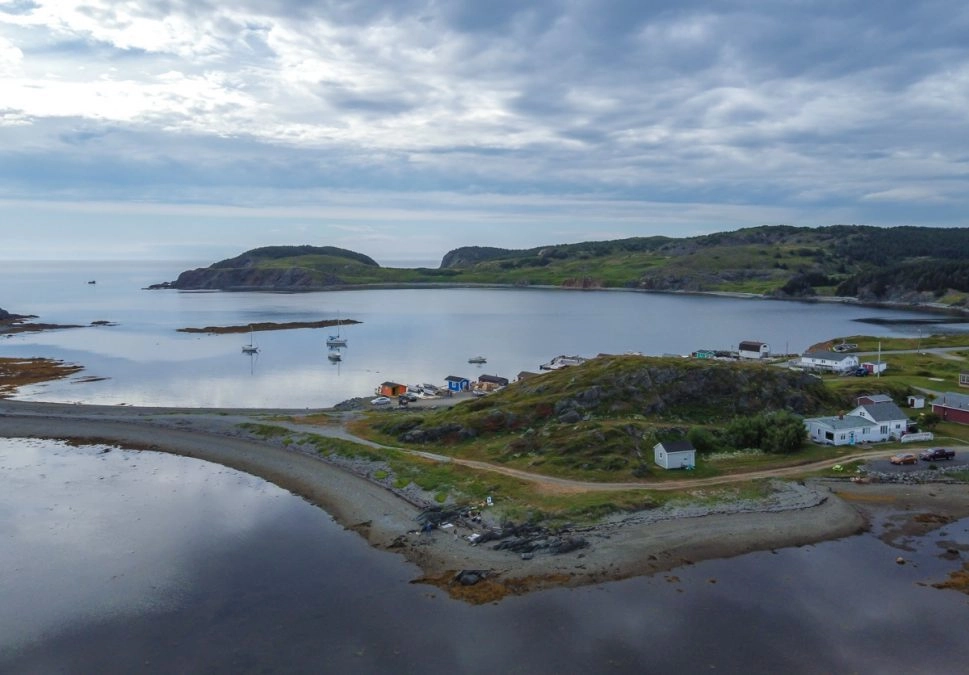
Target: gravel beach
{"type": "Point", "coordinates": [634, 544]}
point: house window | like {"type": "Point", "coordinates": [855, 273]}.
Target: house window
{"type": "Point", "coordinates": [884, 428]}
{"type": "Point", "coordinates": [829, 436]}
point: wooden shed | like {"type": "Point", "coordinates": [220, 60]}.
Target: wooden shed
{"type": "Point", "coordinates": [392, 389]}
{"type": "Point", "coordinates": [675, 454]}
{"type": "Point", "coordinates": [457, 383]}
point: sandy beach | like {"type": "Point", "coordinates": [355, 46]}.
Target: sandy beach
{"type": "Point", "coordinates": [634, 544]}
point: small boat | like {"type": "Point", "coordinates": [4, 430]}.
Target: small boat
{"type": "Point", "coordinates": [336, 340]}
{"type": "Point", "coordinates": [250, 348]}
{"type": "Point", "coordinates": [334, 356]}
{"type": "Point", "coordinates": [477, 359]}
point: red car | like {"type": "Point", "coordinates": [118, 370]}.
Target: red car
{"type": "Point", "coordinates": [903, 458]}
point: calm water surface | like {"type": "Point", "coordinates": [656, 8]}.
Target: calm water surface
{"type": "Point", "coordinates": [406, 336]}
{"type": "Point", "coordinates": [126, 561]}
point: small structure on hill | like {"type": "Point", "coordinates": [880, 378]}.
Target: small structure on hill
{"type": "Point", "coordinates": [749, 349]}
{"type": "Point", "coordinates": [494, 380]}
{"type": "Point", "coordinates": [675, 454]}
{"type": "Point", "coordinates": [457, 383]}
{"type": "Point", "coordinates": [916, 401]}
{"type": "Point", "coordinates": [964, 379]}
{"type": "Point", "coordinates": [562, 361]}
{"type": "Point", "coordinates": [869, 399]}
{"type": "Point", "coordinates": [391, 389]}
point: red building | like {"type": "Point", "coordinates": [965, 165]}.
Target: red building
{"type": "Point", "coordinates": [952, 407]}
{"type": "Point", "coordinates": [391, 389]}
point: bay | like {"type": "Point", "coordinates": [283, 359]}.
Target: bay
{"type": "Point", "coordinates": [403, 335]}
{"type": "Point", "coordinates": [118, 561]}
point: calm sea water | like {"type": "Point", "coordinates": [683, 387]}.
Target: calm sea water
{"type": "Point", "coordinates": [128, 561]}
{"type": "Point", "coordinates": [406, 336]}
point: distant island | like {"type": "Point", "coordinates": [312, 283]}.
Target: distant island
{"type": "Point", "coordinates": [911, 265]}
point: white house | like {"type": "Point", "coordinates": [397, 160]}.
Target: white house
{"type": "Point", "coordinates": [838, 363]}
{"type": "Point", "coordinates": [840, 430]}
{"type": "Point", "coordinates": [868, 423]}
{"type": "Point", "coordinates": [749, 349]}
{"type": "Point", "coordinates": [675, 455]}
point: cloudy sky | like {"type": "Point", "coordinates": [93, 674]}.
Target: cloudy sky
{"type": "Point", "coordinates": [401, 129]}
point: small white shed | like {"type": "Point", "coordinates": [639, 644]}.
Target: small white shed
{"type": "Point", "coordinates": [675, 455]}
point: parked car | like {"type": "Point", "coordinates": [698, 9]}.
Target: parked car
{"type": "Point", "coordinates": [380, 400]}
{"type": "Point", "coordinates": [903, 458]}
{"type": "Point", "coordinates": [861, 371]}
{"type": "Point", "coordinates": [933, 454]}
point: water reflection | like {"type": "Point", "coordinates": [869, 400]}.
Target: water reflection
{"type": "Point", "coordinates": [138, 561]}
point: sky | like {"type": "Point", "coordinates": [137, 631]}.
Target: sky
{"type": "Point", "coordinates": [197, 129]}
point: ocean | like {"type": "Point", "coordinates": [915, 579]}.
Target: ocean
{"type": "Point", "coordinates": [405, 335]}
{"type": "Point", "coordinates": [123, 561]}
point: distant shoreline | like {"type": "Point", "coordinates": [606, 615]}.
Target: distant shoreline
{"type": "Point", "coordinates": [929, 308]}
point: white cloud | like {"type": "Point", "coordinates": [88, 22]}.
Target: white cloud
{"type": "Point", "coordinates": [749, 110]}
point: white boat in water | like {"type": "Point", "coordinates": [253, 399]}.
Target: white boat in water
{"type": "Point", "coordinates": [250, 348]}
{"type": "Point", "coordinates": [334, 356]}
{"type": "Point", "coordinates": [336, 340]}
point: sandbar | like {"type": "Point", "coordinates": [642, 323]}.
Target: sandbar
{"type": "Point", "coordinates": [630, 546]}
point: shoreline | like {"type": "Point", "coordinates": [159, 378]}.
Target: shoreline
{"type": "Point", "coordinates": [929, 308]}
{"type": "Point", "coordinates": [626, 546]}
{"type": "Point", "coordinates": [619, 547]}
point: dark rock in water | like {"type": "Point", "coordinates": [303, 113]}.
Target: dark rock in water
{"type": "Point", "coordinates": [470, 577]}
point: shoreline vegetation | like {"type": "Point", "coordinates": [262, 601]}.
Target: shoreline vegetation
{"type": "Point", "coordinates": [620, 546]}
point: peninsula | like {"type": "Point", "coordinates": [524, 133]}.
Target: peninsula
{"type": "Point", "coordinates": [902, 265]}
{"type": "Point", "coordinates": [556, 460]}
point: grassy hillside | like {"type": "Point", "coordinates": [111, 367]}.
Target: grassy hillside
{"type": "Point", "coordinates": [600, 420]}
{"type": "Point", "coordinates": [906, 263]}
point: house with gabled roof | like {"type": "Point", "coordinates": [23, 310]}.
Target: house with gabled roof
{"type": "Point", "coordinates": [831, 361]}
{"type": "Point", "coordinates": [457, 383]}
{"type": "Point", "coordinates": [868, 423]}
{"type": "Point", "coordinates": [675, 454]}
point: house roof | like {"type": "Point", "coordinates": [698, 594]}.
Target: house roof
{"type": "Point", "coordinates": [677, 446]}
{"type": "Point", "coordinates": [456, 378]}
{"type": "Point", "coordinates": [827, 356]}
{"type": "Point", "coordinates": [885, 411]}
{"type": "Point", "coordinates": [950, 399]}
{"type": "Point", "coordinates": [843, 423]}
{"type": "Point", "coordinates": [392, 384]}
{"type": "Point", "coordinates": [877, 398]}
{"type": "Point", "coordinates": [496, 379]}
